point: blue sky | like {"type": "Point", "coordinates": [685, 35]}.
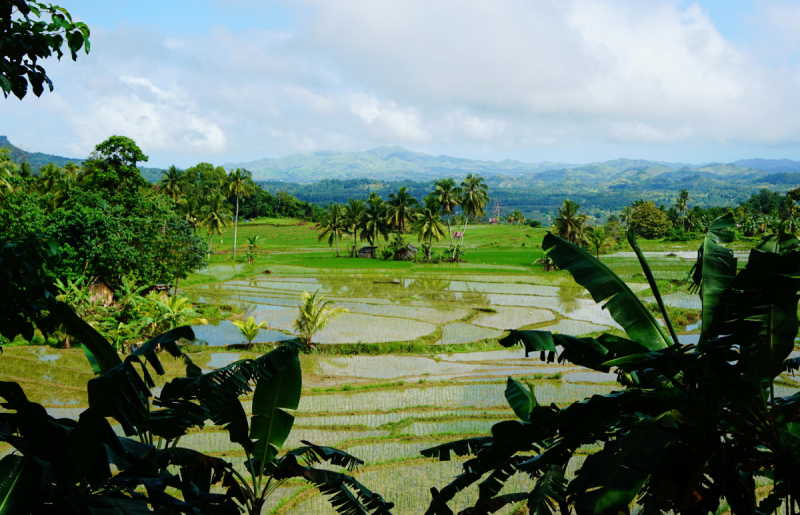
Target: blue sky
{"type": "Point", "coordinates": [562, 80]}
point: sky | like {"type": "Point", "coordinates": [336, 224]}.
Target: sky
{"type": "Point", "coordinates": [571, 81]}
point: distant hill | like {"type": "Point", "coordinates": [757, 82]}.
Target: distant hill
{"type": "Point", "coordinates": [400, 164]}
{"type": "Point", "coordinates": [770, 165]}
{"type": "Point", "coordinates": [38, 160]}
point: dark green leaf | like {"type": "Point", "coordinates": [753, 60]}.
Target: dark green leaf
{"type": "Point", "coordinates": [522, 400]}
{"type": "Point", "coordinates": [604, 285]}
{"type": "Point", "coordinates": [20, 485]}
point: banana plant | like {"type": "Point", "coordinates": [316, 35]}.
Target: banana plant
{"type": "Point", "coordinates": [691, 429]}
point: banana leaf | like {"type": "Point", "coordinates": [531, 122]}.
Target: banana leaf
{"type": "Point", "coordinates": [522, 400]}
{"type": "Point", "coordinates": [652, 281]}
{"type": "Point", "coordinates": [495, 504]}
{"type": "Point", "coordinates": [20, 484]}
{"type": "Point", "coordinates": [101, 355]}
{"type": "Point", "coordinates": [466, 447]}
{"type": "Point", "coordinates": [604, 285]}
{"type": "Point", "coordinates": [713, 273]}
{"type": "Point", "coordinates": [271, 424]}
{"type": "Point", "coordinates": [611, 479]}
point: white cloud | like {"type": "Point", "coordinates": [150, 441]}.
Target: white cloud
{"type": "Point", "coordinates": [449, 74]}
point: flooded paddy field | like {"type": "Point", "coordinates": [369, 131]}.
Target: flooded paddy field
{"type": "Point", "coordinates": [385, 408]}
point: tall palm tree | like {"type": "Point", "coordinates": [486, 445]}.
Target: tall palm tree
{"type": "Point", "coordinates": [376, 225]}
{"type": "Point", "coordinates": [570, 221]}
{"type": "Point", "coordinates": [626, 214]}
{"type": "Point", "coordinates": [355, 215]}
{"type": "Point", "coordinates": [215, 215]}
{"type": "Point", "coordinates": [172, 183]}
{"type": "Point", "coordinates": [682, 205]}
{"type": "Point", "coordinates": [400, 207]}
{"type": "Point", "coordinates": [332, 225]}
{"type": "Point", "coordinates": [427, 222]}
{"type": "Point", "coordinates": [474, 198]}
{"type": "Point", "coordinates": [189, 208]}
{"type": "Point", "coordinates": [598, 238]}
{"type": "Point", "coordinates": [49, 178]}
{"type": "Point", "coordinates": [240, 182]}
{"type": "Point", "coordinates": [449, 197]}
{"type": "Point", "coordinates": [314, 316]}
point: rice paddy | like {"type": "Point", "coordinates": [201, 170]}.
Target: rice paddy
{"type": "Point", "coordinates": [385, 408]}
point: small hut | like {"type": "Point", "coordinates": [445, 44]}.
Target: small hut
{"type": "Point", "coordinates": [156, 288]}
{"type": "Point", "coordinates": [101, 292]}
{"type": "Point", "coordinates": [367, 252]}
{"type": "Point", "coordinates": [406, 254]}
{"type": "Point", "coordinates": [493, 221]}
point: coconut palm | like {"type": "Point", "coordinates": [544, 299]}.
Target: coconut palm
{"type": "Point", "coordinates": [240, 183]}
{"type": "Point", "coordinates": [172, 183]}
{"type": "Point", "coordinates": [215, 215]}
{"type": "Point", "coordinates": [682, 205]}
{"type": "Point", "coordinates": [598, 238]}
{"type": "Point", "coordinates": [570, 221]}
{"type": "Point", "coordinates": [626, 214]}
{"type": "Point", "coordinates": [427, 222]}
{"type": "Point", "coordinates": [400, 206]}
{"type": "Point", "coordinates": [49, 178]}
{"type": "Point", "coordinates": [449, 197]}
{"type": "Point", "coordinates": [164, 313]}
{"type": "Point", "coordinates": [332, 225]}
{"type": "Point", "coordinates": [7, 170]}
{"type": "Point", "coordinates": [314, 316]}
{"type": "Point", "coordinates": [516, 217]}
{"type": "Point", "coordinates": [375, 215]}
{"type": "Point", "coordinates": [355, 216]}
{"type": "Point", "coordinates": [250, 329]}
{"type": "Point", "coordinates": [474, 198]}
{"type": "Point", "coordinates": [189, 209]}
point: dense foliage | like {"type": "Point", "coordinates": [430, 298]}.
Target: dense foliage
{"type": "Point", "coordinates": [26, 38]}
{"type": "Point", "coordinates": [694, 429]}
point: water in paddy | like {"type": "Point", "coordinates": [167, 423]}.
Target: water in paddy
{"type": "Point", "coordinates": [391, 306]}
{"type": "Point", "coordinates": [225, 333]}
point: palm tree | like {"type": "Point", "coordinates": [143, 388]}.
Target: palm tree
{"type": "Point", "coordinates": [400, 207]}
{"type": "Point", "coordinates": [314, 316]}
{"type": "Point", "coordinates": [355, 216]}
{"type": "Point", "coordinates": [474, 197]}
{"type": "Point", "coordinates": [598, 238]}
{"type": "Point", "coordinates": [376, 225]}
{"type": "Point", "coordinates": [215, 215]}
{"type": "Point", "coordinates": [449, 197]}
{"type": "Point", "coordinates": [252, 245]}
{"type": "Point", "coordinates": [7, 170]}
{"type": "Point", "coordinates": [569, 222]}
{"type": "Point", "coordinates": [250, 329]}
{"type": "Point", "coordinates": [427, 222]}
{"type": "Point", "coordinates": [625, 216]}
{"type": "Point", "coordinates": [189, 208]}
{"type": "Point", "coordinates": [172, 183]}
{"type": "Point", "coordinates": [167, 312]}
{"type": "Point", "coordinates": [682, 205]}
{"type": "Point", "coordinates": [332, 226]}
{"type": "Point", "coordinates": [516, 217]}
{"type": "Point", "coordinates": [240, 182]}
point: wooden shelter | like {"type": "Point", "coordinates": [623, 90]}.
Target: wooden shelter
{"type": "Point", "coordinates": [406, 254]}
{"type": "Point", "coordinates": [101, 292]}
{"type": "Point", "coordinates": [367, 252]}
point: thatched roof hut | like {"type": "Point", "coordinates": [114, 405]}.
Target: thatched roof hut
{"type": "Point", "coordinates": [367, 252]}
{"type": "Point", "coordinates": [406, 254]}
{"type": "Point", "coordinates": [101, 292]}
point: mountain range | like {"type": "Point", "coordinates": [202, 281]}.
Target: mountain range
{"type": "Point", "coordinates": [400, 164]}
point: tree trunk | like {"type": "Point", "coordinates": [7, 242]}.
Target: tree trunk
{"type": "Point", "coordinates": [355, 242]}
{"type": "Point", "coordinates": [235, 227]}
{"type": "Point", "coordinates": [210, 245]}
{"type": "Point", "coordinates": [176, 286]}
{"type": "Point", "coordinates": [336, 243]}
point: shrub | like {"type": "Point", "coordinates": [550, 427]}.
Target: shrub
{"type": "Point", "coordinates": [681, 234]}
{"type": "Point", "coordinates": [649, 221]}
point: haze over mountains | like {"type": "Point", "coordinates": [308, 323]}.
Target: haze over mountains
{"type": "Point", "coordinates": [400, 164]}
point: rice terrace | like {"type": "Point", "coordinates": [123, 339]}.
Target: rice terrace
{"type": "Point", "coordinates": [383, 258]}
